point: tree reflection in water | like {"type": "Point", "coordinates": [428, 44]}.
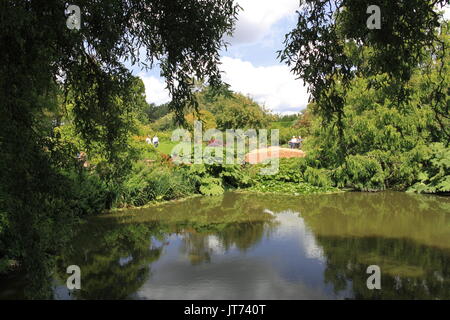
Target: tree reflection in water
{"type": "Point", "coordinates": [116, 257]}
{"type": "Point", "coordinates": [408, 236]}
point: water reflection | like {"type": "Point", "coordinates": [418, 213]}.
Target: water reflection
{"type": "Point", "coordinates": [242, 246]}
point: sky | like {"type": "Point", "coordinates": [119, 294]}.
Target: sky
{"type": "Point", "coordinates": [250, 65]}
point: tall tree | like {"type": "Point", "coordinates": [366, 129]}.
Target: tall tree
{"type": "Point", "coordinates": [332, 44]}
{"type": "Point", "coordinates": [38, 52]}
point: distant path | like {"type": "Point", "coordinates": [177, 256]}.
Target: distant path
{"type": "Point", "coordinates": [259, 155]}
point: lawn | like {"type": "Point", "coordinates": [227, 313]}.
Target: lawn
{"type": "Point", "coordinates": [166, 146]}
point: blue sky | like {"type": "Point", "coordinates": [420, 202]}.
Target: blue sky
{"type": "Point", "coordinates": [250, 63]}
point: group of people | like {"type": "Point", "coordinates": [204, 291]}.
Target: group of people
{"type": "Point", "coordinates": [154, 141]}
{"type": "Point", "coordinates": [295, 142]}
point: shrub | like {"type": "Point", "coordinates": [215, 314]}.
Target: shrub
{"type": "Point", "coordinates": [318, 177]}
{"type": "Point", "coordinates": [435, 174]}
{"type": "Point", "coordinates": [274, 186]}
{"type": "Point", "coordinates": [204, 181]}
{"type": "Point", "coordinates": [165, 123]}
{"type": "Point", "coordinates": [286, 134]}
{"type": "Point", "coordinates": [4, 265]}
{"type": "Point", "coordinates": [290, 170]}
{"type": "Point", "coordinates": [168, 185]}
{"type": "Point", "coordinates": [210, 186]}
{"type": "Point", "coordinates": [232, 176]}
{"type": "Point", "coordinates": [90, 195]}
{"type": "Point", "coordinates": [213, 179]}
{"type": "Point", "coordinates": [361, 173]}
{"type": "Point", "coordinates": [157, 183]}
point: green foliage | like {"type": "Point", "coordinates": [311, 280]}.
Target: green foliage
{"type": "Point", "coordinates": [3, 222]}
{"type": "Point", "coordinates": [4, 265]}
{"type": "Point", "coordinates": [204, 116]}
{"type": "Point", "coordinates": [147, 184]}
{"type": "Point", "coordinates": [290, 170]}
{"type": "Point", "coordinates": [205, 182]}
{"type": "Point", "coordinates": [4, 225]}
{"type": "Point", "coordinates": [210, 186]}
{"type": "Point", "coordinates": [154, 112]}
{"type": "Point", "coordinates": [90, 195]}
{"type": "Point", "coordinates": [295, 176]}
{"type": "Point", "coordinates": [140, 105]}
{"type": "Point", "coordinates": [381, 143]}
{"type": "Point", "coordinates": [166, 185]}
{"type": "Point", "coordinates": [3, 216]}
{"type": "Point", "coordinates": [234, 110]}
{"type": "Point", "coordinates": [103, 267]}
{"type": "Point", "coordinates": [281, 124]}
{"type": "Point", "coordinates": [214, 179]}
{"type": "Point", "coordinates": [273, 186]}
{"type": "Point", "coordinates": [63, 92]}
{"type": "Point", "coordinates": [361, 173]}
{"type": "Point", "coordinates": [292, 125]}
{"type": "Point", "coordinates": [52, 76]}
{"type": "Point", "coordinates": [104, 117]}
{"type": "Point", "coordinates": [165, 123]}
{"type": "Point", "coordinates": [435, 176]}
{"type": "Point", "coordinates": [331, 46]}
{"type": "Point", "coordinates": [232, 176]}
{"type": "Point", "coordinates": [286, 134]}
{"type": "Point", "coordinates": [317, 177]}
{"type": "Point", "coordinates": [287, 119]}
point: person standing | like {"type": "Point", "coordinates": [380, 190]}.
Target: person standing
{"type": "Point", "coordinates": [295, 142]}
{"type": "Point", "coordinates": [300, 142]}
{"type": "Point", "coordinates": [155, 141]}
{"type": "Point", "coordinates": [292, 142]}
{"type": "Point", "coordinates": [148, 140]}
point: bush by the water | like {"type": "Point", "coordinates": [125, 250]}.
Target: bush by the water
{"type": "Point", "coordinates": [295, 176]}
{"type": "Point", "coordinates": [155, 183]}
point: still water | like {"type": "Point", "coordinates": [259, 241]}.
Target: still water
{"type": "Point", "coordinates": [246, 246]}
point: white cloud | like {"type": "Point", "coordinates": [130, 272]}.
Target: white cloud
{"type": "Point", "coordinates": [256, 18]}
{"type": "Point", "coordinates": [447, 12]}
{"type": "Point", "coordinates": [274, 86]}
{"type": "Point", "coordinates": [155, 89]}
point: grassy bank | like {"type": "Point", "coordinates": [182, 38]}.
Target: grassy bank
{"type": "Point", "coordinates": [161, 181]}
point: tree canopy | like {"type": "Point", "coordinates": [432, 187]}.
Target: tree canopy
{"type": "Point", "coordinates": [331, 45]}
{"type": "Point", "coordinates": [48, 67]}
{"type": "Point", "coordinates": [379, 115]}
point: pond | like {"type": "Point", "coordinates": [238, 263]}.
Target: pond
{"type": "Point", "coordinates": [248, 246]}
